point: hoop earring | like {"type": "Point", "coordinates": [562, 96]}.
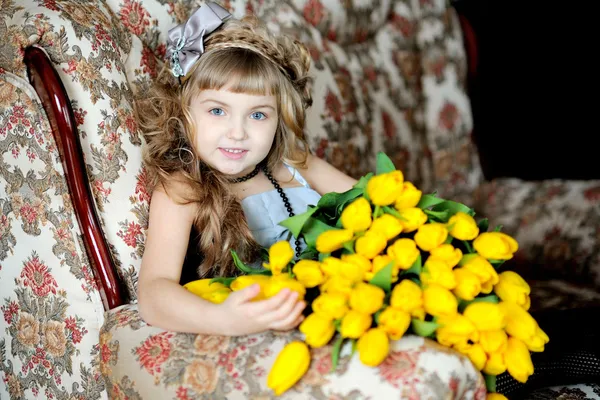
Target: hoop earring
{"type": "Point", "coordinates": [192, 157]}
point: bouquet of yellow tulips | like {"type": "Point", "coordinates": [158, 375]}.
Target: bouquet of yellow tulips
{"type": "Point", "coordinates": [384, 260]}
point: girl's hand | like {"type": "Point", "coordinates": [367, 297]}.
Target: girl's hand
{"type": "Point", "coordinates": [244, 316]}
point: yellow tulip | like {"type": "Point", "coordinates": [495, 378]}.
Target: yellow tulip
{"type": "Point", "coordinates": [388, 225]}
{"type": "Point", "coordinates": [495, 396]}
{"type": "Point", "coordinates": [439, 301]}
{"type": "Point", "coordinates": [278, 282]}
{"type": "Point", "coordinates": [280, 255]}
{"type": "Point", "coordinates": [407, 296]}
{"type": "Point", "coordinates": [518, 360]}
{"type": "Point", "coordinates": [290, 365]}
{"type": "Point", "coordinates": [244, 281]}
{"type": "Point", "coordinates": [308, 273]}
{"type": "Point", "coordinates": [394, 322]}
{"type": "Point", "coordinates": [485, 315]}
{"type": "Point", "coordinates": [448, 253]}
{"type": "Point", "coordinates": [521, 325]}
{"type": "Point", "coordinates": [412, 219]}
{"type": "Point", "coordinates": [355, 323]}
{"type": "Point", "coordinates": [201, 286]}
{"type": "Point", "coordinates": [513, 288]}
{"type": "Point", "coordinates": [409, 197]}
{"type": "Point", "coordinates": [217, 296]}
{"type": "Point", "coordinates": [431, 235]}
{"type": "Point", "coordinates": [493, 341]}
{"type": "Point", "coordinates": [495, 245]}
{"type": "Point", "coordinates": [404, 252]}
{"type": "Point", "coordinates": [463, 226]}
{"type": "Point", "coordinates": [333, 240]}
{"type": "Point", "coordinates": [355, 266]}
{"type": "Point", "coordinates": [373, 347]}
{"type": "Point", "coordinates": [357, 215]}
{"type": "Point", "coordinates": [384, 189]}
{"type": "Point", "coordinates": [495, 364]}
{"type": "Point", "coordinates": [437, 271]}
{"type": "Point", "coordinates": [370, 244]}
{"type": "Point", "coordinates": [468, 285]}
{"type": "Point", "coordinates": [318, 330]}
{"type": "Point", "coordinates": [366, 298]}
{"type": "Point", "coordinates": [475, 353]}
{"type": "Point", "coordinates": [456, 330]}
{"type": "Point", "coordinates": [483, 269]}
{"type": "Point", "coordinates": [330, 305]}
{"type": "Point", "coordinates": [332, 266]}
{"type": "Point", "coordinates": [337, 284]}
{"type": "Point", "coordinates": [361, 261]}
{"type": "Point", "coordinates": [379, 263]}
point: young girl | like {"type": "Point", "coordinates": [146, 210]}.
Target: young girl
{"type": "Point", "coordinates": [226, 149]}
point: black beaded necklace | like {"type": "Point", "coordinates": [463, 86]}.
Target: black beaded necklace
{"type": "Point", "coordinates": [286, 201]}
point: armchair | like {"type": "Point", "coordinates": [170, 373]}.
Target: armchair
{"type": "Point", "coordinates": [74, 199]}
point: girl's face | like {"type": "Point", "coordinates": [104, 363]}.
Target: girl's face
{"type": "Point", "coordinates": [234, 131]}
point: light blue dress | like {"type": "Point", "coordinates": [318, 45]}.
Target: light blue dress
{"type": "Point", "coordinates": [264, 211]}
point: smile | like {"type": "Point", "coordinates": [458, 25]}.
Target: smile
{"type": "Point", "coordinates": [234, 154]}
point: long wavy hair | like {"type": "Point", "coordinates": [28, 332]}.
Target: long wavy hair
{"type": "Point", "coordinates": [247, 58]}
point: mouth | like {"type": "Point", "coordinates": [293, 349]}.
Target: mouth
{"type": "Point", "coordinates": [233, 153]}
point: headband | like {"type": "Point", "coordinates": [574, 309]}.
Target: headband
{"type": "Point", "coordinates": [185, 44]}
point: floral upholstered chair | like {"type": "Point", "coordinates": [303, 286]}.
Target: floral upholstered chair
{"type": "Point", "coordinates": [389, 76]}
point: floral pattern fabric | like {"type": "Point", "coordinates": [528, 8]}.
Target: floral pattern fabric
{"type": "Point", "coordinates": [50, 304]}
{"type": "Point", "coordinates": [143, 362]}
{"type": "Point", "coordinates": [389, 76]}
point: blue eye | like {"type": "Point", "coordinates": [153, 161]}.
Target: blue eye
{"type": "Point", "coordinates": [258, 115]}
{"type": "Point", "coordinates": [217, 111]}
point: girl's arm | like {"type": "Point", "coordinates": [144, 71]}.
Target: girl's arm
{"type": "Point", "coordinates": [324, 177]}
{"type": "Point", "coordinates": [164, 303]}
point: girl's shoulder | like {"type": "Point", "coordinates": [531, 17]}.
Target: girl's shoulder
{"type": "Point", "coordinates": [178, 190]}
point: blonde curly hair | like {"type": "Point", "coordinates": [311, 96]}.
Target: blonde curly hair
{"type": "Point", "coordinates": [247, 58]}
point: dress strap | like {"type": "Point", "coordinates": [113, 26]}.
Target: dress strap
{"type": "Point", "coordinates": [297, 175]}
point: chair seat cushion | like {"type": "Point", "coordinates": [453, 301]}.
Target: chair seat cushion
{"type": "Point", "coordinates": [144, 362]}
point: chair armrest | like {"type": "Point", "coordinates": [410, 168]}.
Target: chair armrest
{"type": "Point", "coordinates": [47, 84]}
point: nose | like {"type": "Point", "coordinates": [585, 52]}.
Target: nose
{"type": "Point", "coordinates": [237, 129]}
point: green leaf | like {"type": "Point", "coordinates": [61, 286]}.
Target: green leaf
{"type": "Point", "coordinates": [313, 228]}
{"type": "Point", "coordinates": [241, 266]}
{"type": "Point", "coordinates": [377, 212]}
{"type": "Point", "coordinates": [453, 207]}
{"type": "Point", "coordinates": [490, 382]}
{"type": "Point", "coordinates": [309, 254]}
{"type": "Point", "coordinates": [393, 212]}
{"type": "Point", "coordinates": [468, 246]}
{"type": "Point", "coordinates": [429, 200]}
{"type": "Point", "coordinates": [483, 225]}
{"type": "Point", "coordinates": [354, 346]}
{"type": "Point", "coordinates": [334, 199]}
{"type": "Point", "coordinates": [362, 182]}
{"type": "Point", "coordinates": [383, 277]}
{"type": "Point", "coordinates": [297, 222]}
{"type": "Point", "coordinates": [424, 328]}
{"type": "Point", "coordinates": [441, 216]}
{"type": "Point", "coordinates": [349, 246]}
{"type": "Point", "coordinates": [416, 268]}
{"type": "Point", "coordinates": [224, 280]}
{"type": "Point", "coordinates": [335, 352]}
{"type": "Point", "coordinates": [384, 164]}
{"type": "Point", "coordinates": [498, 228]}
